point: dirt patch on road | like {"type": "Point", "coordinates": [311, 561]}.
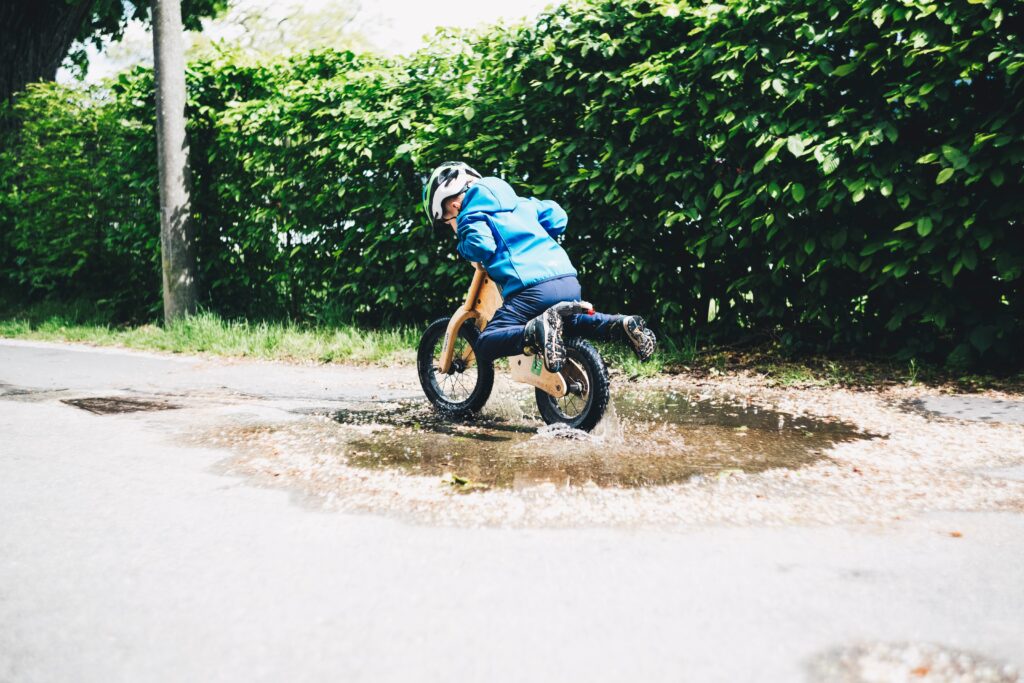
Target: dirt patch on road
{"type": "Point", "coordinates": [115, 405]}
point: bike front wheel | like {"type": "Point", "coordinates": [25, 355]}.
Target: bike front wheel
{"type": "Point", "coordinates": [587, 377]}
{"type": "Point", "coordinates": [467, 385]}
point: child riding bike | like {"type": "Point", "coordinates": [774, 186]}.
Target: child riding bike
{"type": "Point", "coordinates": [512, 238]}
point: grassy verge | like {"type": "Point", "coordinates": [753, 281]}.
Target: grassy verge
{"type": "Point", "coordinates": [209, 333]}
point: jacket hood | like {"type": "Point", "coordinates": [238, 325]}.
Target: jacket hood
{"type": "Point", "coordinates": [491, 195]}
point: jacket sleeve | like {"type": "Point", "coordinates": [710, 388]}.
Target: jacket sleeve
{"type": "Point", "coordinates": [551, 216]}
{"type": "Point", "coordinates": [476, 243]}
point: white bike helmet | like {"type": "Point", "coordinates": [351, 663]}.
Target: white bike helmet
{"type": "Point", "coordinates": [448, 180]}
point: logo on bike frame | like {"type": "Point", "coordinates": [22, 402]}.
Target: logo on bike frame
{"type": "Point", "coordinates": [537, 367]}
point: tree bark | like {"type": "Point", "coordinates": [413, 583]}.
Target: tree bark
{"type": "Point", "coordinates": [177, 250]}
{"type": "Point", "coordinates": [35, 36]}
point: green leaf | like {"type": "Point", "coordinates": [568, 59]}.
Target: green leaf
{"type": "Point", "coordinates": [955, 156]}
{"type": "Point", "coordinates": [969, 259]}
{"type": "Point", "coordinates": [885, 188]}
{"type": "Point", "coordinates": [903, 226]}
{"type": "Point", "coordinates": [997, 177]}
{"type": "Point", "coordinates": [798, 192]}
{"type": "Point", "coordinates": [795, 145]}
{"type": "Point", "coordinates": [924, 226]}
{"type": "Point", "coordinates": [844, 69]}
{"type": "Point", "coordinates": [928, 158]}
{"type": "Point", "coordinates": [982, 337]}
{"type": "Point", "coordinates": [944, 175]}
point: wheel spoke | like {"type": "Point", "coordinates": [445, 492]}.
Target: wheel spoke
{"type": "Point", "coordinates": [571, 406]}
{"type": "Point", "coordinates": [456, 385]}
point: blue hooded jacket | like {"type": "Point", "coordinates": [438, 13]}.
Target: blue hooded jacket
{"type": "Point", "coordinates": [512, 237]}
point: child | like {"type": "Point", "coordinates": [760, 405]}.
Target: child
{"type": "Point", "coordinates": [513, 239]}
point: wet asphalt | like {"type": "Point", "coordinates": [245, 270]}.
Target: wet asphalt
{"type": "Point", "coordinates": [126, 556]}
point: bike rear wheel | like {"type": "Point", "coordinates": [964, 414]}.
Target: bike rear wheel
{"type": "Point", "coordinates": [587, 376]}
{"type": "Point", "coordinates": [465, 388]}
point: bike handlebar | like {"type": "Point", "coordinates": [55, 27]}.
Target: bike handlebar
{"type": "Point", "coordinates": [567, 308]}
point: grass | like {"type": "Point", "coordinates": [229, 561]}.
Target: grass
{"type": "Point", "coordinates": [211, 334]}
{"type": "Point", "coordinates": [618, 356]}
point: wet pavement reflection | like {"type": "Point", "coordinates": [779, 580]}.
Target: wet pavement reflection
{"type": "Point", "coordinates": [647, 439]}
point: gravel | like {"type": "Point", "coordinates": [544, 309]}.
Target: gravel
{"type": "Point", "coordinates": [913, 463]}
{"type": "Point", "coordinates": [926, 662]}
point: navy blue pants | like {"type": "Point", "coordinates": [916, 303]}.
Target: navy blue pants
{"type": "Point", "coordinates": [503, 336]}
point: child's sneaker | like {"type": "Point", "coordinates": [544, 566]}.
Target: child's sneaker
{"type": "Point", "coordinates": [639, 337]}
{"type": "Point", "coordinates": [543, 335]}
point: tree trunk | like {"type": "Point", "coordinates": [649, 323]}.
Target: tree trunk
{"type": "Point", "coordinates": [34, 38]}
{"type": "Point", "coordinates": [176, 226]}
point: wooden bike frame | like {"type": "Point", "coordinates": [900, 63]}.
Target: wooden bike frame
{"type": "Point", "coordinates": [482, 300]}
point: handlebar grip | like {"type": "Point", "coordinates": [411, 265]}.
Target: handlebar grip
{"type": "Point", "coordinates": [567, 308]}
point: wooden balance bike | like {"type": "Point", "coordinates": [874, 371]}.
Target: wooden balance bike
{"type": "Point", "coordinates": [458, 385]}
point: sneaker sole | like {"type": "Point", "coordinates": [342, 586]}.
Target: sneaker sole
{"type": "Point", "coordinates": [639, 336]}
{"type": "Point", "coordinates": [554, 350]}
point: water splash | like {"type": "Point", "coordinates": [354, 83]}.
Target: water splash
{"type": "Point", "coordinates": [607, 432]}
{"type": "Point", "coordinates": [507, 401]}
{"type": "Point", "coordinates": [609, 429]}
{"type": "Point", "coordinates": [562, 431]}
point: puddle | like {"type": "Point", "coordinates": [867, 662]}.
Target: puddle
{"type": "Point", "coordinates": [113, 405]}
{"type": "Point", "coordinates": [648, 439]}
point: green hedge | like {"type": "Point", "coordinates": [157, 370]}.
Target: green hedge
{"type": "Point", "coordinates": [840, 175]}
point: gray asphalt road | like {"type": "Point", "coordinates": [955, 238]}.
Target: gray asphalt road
{"type": "Point", "coordinates": [124, 556]}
